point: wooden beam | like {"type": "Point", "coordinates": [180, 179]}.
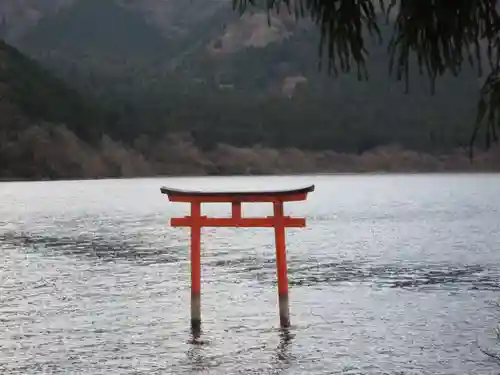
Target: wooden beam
{"type": "Point", "coordinates": [267, 222]}
{"type": "Point", "coordinates": [236, 210]}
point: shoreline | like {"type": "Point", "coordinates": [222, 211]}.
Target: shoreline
{"type": "Point", "coordinates": [315, 174]}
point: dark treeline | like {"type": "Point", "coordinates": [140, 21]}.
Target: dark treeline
{"type": "Point", "coordinates": [342, 115]}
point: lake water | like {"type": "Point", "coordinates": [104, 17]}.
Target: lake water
{"type": "Point", "coordinates": [394, 274]}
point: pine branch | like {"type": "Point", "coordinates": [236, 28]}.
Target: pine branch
{"type": "Point", "coordinates": [441, 35]}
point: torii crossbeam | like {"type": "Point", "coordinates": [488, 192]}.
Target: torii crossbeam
{"type": "Point", "coordinates": [278, 221]}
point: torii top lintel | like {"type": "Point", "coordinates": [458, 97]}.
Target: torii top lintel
{"type": "Point", "coordinates": [277, 197]}
{"type": "Point", "coordinates": [177, 195]}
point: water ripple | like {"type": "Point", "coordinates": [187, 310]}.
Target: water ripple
{"type": "Point", "coordinates": [392, 276]}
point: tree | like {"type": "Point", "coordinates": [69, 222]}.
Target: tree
{"type": "Point", "coordinates": [440, 35]}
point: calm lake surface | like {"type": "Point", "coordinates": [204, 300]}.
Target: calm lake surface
{"type": "Point", "coordinates": [393, 275]}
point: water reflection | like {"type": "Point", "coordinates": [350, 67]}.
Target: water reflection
{"type": "Point", "coordinates": [197, 359]}
{"type": "Point", "coordinates": [283, 349]}
{"type": "Point", "coordinates": [100, 247]}
{"type": "Point", "coordinates": [202, 356]}
{"type": "Point", "coordinates": [196, 338]}
{"type": "Point", "coordinates": [303, 273]}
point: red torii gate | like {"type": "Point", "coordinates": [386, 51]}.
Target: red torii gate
{"type": "Point", "coordinates": [278, 221]}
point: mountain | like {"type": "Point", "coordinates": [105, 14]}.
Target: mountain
{"type": "Point", "coordinates": [49, 130]}
{"type": "Point", "coordinates": [39, 96]}
{"type": "Point", "coordinates": [32, 102]}
{"type": "Point", "coordinates": [96, 29]}
{"type": "Point", "coordinates": [176, 20]}
{"type": "Point", "coordinates": [192, 76]}
{"type": "Point", "coordinates": [153, 35]}
{"type": "Point", "coordinates": [19, 16]}
{"type": "Point", "coordinates": [201, 39]}
{"type": "Point", "coordinates": [163, 58]}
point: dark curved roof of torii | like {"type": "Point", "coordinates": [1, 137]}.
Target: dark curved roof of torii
{"type": "Point", "coordinates": [182, 192]}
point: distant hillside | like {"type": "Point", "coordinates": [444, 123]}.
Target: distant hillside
{"type": "Point", "coordinates": [49, 131]}
{"type": "Point", "coordinates": [95, 30]}
{"type": "Point", "coordinates": [39, 96]}
{"type": "Point", "coordinates": [229, 83]}
{"type": "Point", "coordinates": [19, 16]}
{"type": "Point", "coordinates": [204, 39]}
{"type": "Point", "coordinates": [167, 86]}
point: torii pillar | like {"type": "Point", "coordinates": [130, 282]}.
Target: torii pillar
{"type": "Point", "coordinates": [278, 221]}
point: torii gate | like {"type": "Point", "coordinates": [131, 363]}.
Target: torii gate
{"type": "Point", "coordinates": [278, 221]}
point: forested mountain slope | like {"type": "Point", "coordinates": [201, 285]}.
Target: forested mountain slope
{"type": "Point", "coordinates": [47, 129]}
{"type": "Point", "coordinates": [172, 82]}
